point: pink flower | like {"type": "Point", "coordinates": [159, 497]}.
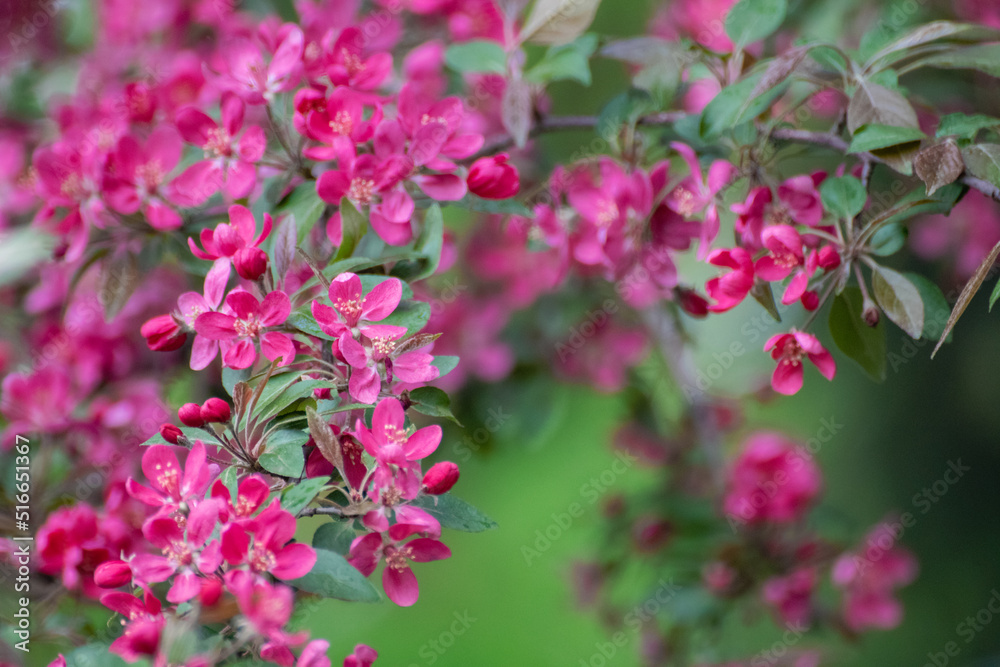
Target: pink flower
{"type": "Point", "coordinates": [139, 171]}
{"type": "Point", "coordinates": [171, 486]}
{"type": "Point", "coordinates": [348, 66]}
{"type": "Point", "coordinates": [493, 178]}
{"type": "Point", "coordinates": [228, 238]}
{"type": "Point", "coordinates": [352, 311]}
{"type": "Point", "coordinates": [695, 194]}
{"type": "Point", "coordinates": [440, 478]}
{"type": "Point", "coordinates": [785, 257]}
{"type": "Point", "coordinates": [730, 289]}
{"type": "Point", "coordinates": [363, 656]}
{"type": "Point", "coordinates": [191, 305]}
{"type": "Point", "coordinates": [772, 479]}
{"type": "Point", "coordinates": [366, 356]}
{"type": "Point", "coordinates": [250, 495]}
{"type": "Point", "coordinates": [145, 624]}
{"type": "Point", "coordinates": [339, 122]}
{"type": "Point", "coordinates": [388, 441]}
{"type": "Point", "coordinates": [800, 195]}
{"type": "Point", "coordinates": [238, 332]}
{"type": "Point", "coordinates": [397, 578]}
{"type": "Point", "coordinates": [791, 596]}
{"type": "Point", "coordinates": [789, 349]}
{"type": "Point", "coordinates": [229, 162]}
{"type": "Point", "coordinates": [266, 606]}
{"type": "Point", "coordinates": [73, 542]}
{"type": "Point", "coordinates": [751, 217]}
{"type": "Point", "coordinates": [270, 552]}
{"type": "Point", "coordinates": [256, 81]}
{"type": "Point", "coordinates": [869, 577]}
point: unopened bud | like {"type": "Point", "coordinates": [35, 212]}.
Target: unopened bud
{"type": "Point", "coordinates": [441, 477]}
{"type": "Point", "coordinates": [112, 574]}
{"type": "Point", "coordinates": [216, 410]}
{"type": "Point", "coordinates": [190, 415]}
{"type": "Point", "coordinates": [250, 263]}
{"type": "Point", "coordinates": [163, 334]}
{"type": "Point", "coordinates": [170, 433]}
{"type": "Point", "coordinates": [870, 314]}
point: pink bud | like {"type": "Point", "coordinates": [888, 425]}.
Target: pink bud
{"type": "Point", "coordinates": [216, 410]}
{"type": "Point", "coordinates": [251, 263]}
{"type": "Point", "coordinates": [493, 178]}
{"type": "Point", "coordinates": [693, 303]}
{"type": "Point", "coordinates": [170, 433]}
{"type": "Point", "coordinates": [441, 477]}
{"type": "Point", "coordinates": [211, 591]}
{"type": "Point", "coordinates": [163, 334]}
{"type": "Point", "coordinates": [190, 415]}
{"type": "Point", "coordinates": [112, 574]}
{"type": "Point", "coordinates": [650, 533]}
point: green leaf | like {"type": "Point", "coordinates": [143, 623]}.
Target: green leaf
{"type": "Point", "coordinates": [502, 206]}
{"type": "Point", "coordinates": [982, 57]}
{"type": "Point", "coordinates": [307, 208]}
{"type": "Point", "coordinates": [445, 364]}
{"type": "Point", "coordinates": [428, 249]}
{"type": "Point", "coordinates": [279, 401]}
{"type": "Point", "coordinates": [983, 161]}
{"type": "Point", "coordinates": [860, 342]}
{"type": "Point", "coordinates": [730, 108]}
{"type": "Point", "coordinates": [964, 126]}
{"type": "Point", "coordinates": [410, 314]}
{"type": "Point", "coordinates": [370, 280]}
{"type": "Point", "coordinates": [995, 295]}
{"type": "Point", "coordinates": [296, 498]}
{"type": "Point", "coordinates": [304, 321]}
{"type": "Point", "coordinates": [567, 62]}
{"type": "Point", "coordinates": [888, 239]}
{"type": "Point", "coordinates": [936, 308]}
{"type": "Point", "coordinates": [625, 109]}
{"type": "Point", "coordinates": [353, 226]}
{"type": "Point", "coordinates": [899, 299]}
{"type": "Point", "coordinates": [335, 536]}
{"type": "Point", "coordinates": [874, 136]}
{"type": "Point", "coordinates": [231, 478]}
{"type": "Point", "coordinates": [750, 21]}
{"type": "Point", "coordinates": [844, 196]}
{"type": "Point", "coordinates": [477, 56]}
{"type": "Point", "coordinates": [931, 32]}
{"type": "Point", "coordinates": [333, 577]}
{"type": "Point", "coordinates": [93, 655]}
{"type": "Point", "coordinates": [230, 376]}
{"type": "Point", "coordinates": [283, 453]}
{"type": "Point", "coordinates": [455, 513]}
{"type": "Point", "coordinates": [21, 250]}
{"type": "Point", "coordinates": [433, 402]}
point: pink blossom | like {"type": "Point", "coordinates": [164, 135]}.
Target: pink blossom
{"type": "Point", "coordinates": [791, 596]}
{"type": "Point", "coordinates": [251, 493]}
{"type": "Point", "coordinates": [353, 311]}
{"type": "Point", "coordinates": [139, 170]}
{"type": "Point", "coordinates": [440, 478]}
{"type": "Point", "coordinates": [772, 479]}
{"type": "Point", "coordinates": [228, 238]}
{"type": "Point", "coordinates": [363, 656]}
{"type": "Point", "coordinates": [73, 542]}
{"type": "Point", "coordinates": [238, 333]}
{"type": "Point", "coordinates": [348, 66]}
{"type": "Point", "coordinates": [800, 195]}
{"type": "Point", "coordinates": [145, 624]}
{"type": "Point", "coordinates": [257, 81]}
{"type": "Point", "coordinates": [493, 178]}
{"type": "Point", "coordinates": [191, 304]}
{"type": "Point", "coordinates": [340, 121]}
{"type": "Point", "coordinates": [788, 350]}
{"type": "Point", "coordinates": [365, 358]}
{"type": "Point", "coordinates": [270, 552]}
{"type": "Point", "coordinates": [389, 442]}
{"type": "Point", "coordinates": [696, 194]}
{"type": "Point", "coordinates": [229, 163]}
{"type": "Point", "coordinates": [170, 485]}
{"type": "Point", "coordinates": [729, 290]}
{"type": "Point", "coordinates": [397, 578]}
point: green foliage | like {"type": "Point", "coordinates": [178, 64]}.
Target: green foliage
{"type": "Point", "coordinates": [753, 20]}
{"type": "Point", "coordinates": [476, 56]}
{"type": "Point", "coordinates": [843, 196]}
{"type": "Point", "coordinates": [455, 513]}
{"type": "Point", "coordinates": [333, 577]}
{"type": "Point", "coordinates": [335, 536]}
{"type": "Point", "coordinates": [899, 299]}
{"type": "Point", "coordinates": [283, 453]}
{"type": "Point", "coordinates": [857, 340]}
{"type": "Point", "coordinates": [433, 402]}
{"type": "Point", "coordinates": [565, 62]}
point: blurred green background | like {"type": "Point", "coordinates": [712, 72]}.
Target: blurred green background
{"type": "Point", "coordinates": [488, 606]}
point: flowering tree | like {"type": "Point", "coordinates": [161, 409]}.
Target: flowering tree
{"type": "Point", "coordinates": [226, 270]}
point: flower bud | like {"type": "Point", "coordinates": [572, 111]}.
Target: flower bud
{"type": "Point", "coordinates": [112, 574]}
{"type": "Point", "coordinates": [170, 433]}
{"type": "Point", "coordinates": [163, 334]}
{"type": "Point", "coordinates": [870, 314]}
{"type": "Point", "coordinates": [493, 178]}
{"type": "Point", "coordinates": [650, 533]}
{"type": "Point", "coordinates": [250, 263]}
{"type": "Point", "coordinates": [441, 477]}
{"type": "Point", "coordinates": [693, 303]}
{"type": "Point", "coordinates": [190, 415]}
{"type": "Point", "coordinates": [216, 410]}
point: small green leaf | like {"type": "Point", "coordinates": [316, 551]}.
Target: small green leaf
{"type": "Point", "coordinates": [625, 109]}
{"type": "Point", "coordinates": [333, 577]}
{"type": "Point", "coordinates": [750, 21]}
{"type": "Point", "coordinates": [433, 402]}
{"type": "Point", "coordinates": [567, 62]}
{"type": "Point", "coordinates": [428, 249]}
{"type": "Point", "coordinates": [502, 206]}
{"type": "Point", "coordinates": [983, 161]}
{"type": "Point", "coordinates": [304, 321]}
{"type": "Point", "coordinates": [335, 536]}
{"type": "Point", "coordinates": [730, 107]}
{"type": "Point", "coordinates": [899, 299]}
{"type": "Point", "coordinates": [280, 401]}
{"type": "Point", "coordinates": [860, 342]}
{"type": "Point", "coordinates": [230, 376]}
{"type": "Point", "coordinates": [964, 126]}
{"type": "Point", "coordinates": [995, 295]}
{"type": "Point", "coordinates": [844, 196]}
{"type": "Point", "coordinates": [296, 498]}
{"type": "Point", "coordinates": [353, 226]}
{"type": "Point", "coordinates": [445, 364]}
{"type": "Point", "coordinates": [888, 240]}
{"type": "Point", "coordinates": [476, 56]}
{"type": "Point", "coordinates": [875, 136]}
{"type": "Point", "coordinates": [455, 513]}
{"type": "Point", "coordinates": [936, 308]}
{"type": "Point", "coordinates": [306, 206]}
{"type": "Point", "coordinates": [413, 315]}
{"type": "Point", "coordinates": [283, 453]}
{"type": "Point", "coordinates": [982, 57]}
